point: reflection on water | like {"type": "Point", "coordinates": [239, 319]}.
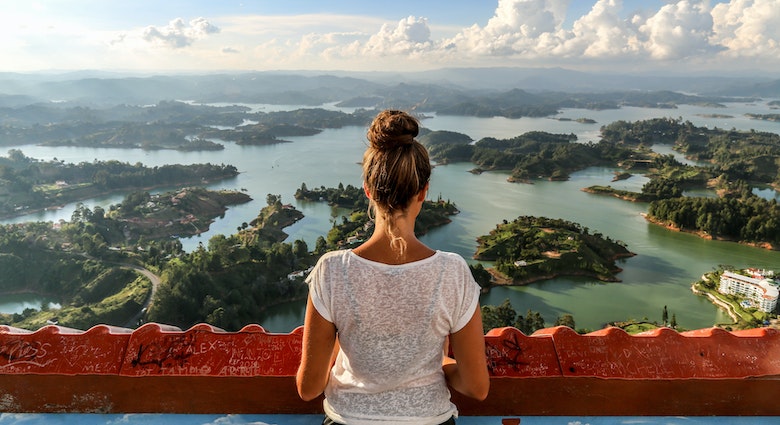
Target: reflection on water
{"type": "Point", "coordinates": [767, 193]}
{"type": "Point", "coordinates": [17, 303]}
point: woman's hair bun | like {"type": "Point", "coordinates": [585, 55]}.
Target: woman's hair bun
{"type": "Point", "coordinates": [391, 129]}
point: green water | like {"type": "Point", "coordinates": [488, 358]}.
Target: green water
{"type": "Point", "coordinates": [660, 274]}
{"type": "Point", "coordinates": [17, 303]}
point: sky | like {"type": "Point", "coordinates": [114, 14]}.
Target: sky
{"type": "Point", "coordinates": [730, 37]}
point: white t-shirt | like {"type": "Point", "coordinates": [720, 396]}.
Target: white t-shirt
{"type": "Point", "coordinates": [392, 321]}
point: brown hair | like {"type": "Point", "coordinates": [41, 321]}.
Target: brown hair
{"type": "Point", "coordinates": [396, 167]}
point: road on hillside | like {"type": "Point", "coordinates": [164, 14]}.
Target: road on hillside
{"type": "Point", "coordinates": [134, 321]}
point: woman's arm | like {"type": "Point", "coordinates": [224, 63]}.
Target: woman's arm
{"type": "Point", "coordinates": [319, 342]}
{"type": "Point", "coordinates": [467, 373]}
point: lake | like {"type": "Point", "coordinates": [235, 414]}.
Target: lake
{"type": "Point", "coordinates": [17, 303]}
{"type": "Point", "coordinates": [661, 273]}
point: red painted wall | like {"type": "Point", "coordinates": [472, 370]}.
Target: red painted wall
{"type": "Point", "coordinates": [555, 371]}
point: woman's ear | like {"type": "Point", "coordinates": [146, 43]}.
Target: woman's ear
{"type": "Point", "coordinates": [423, 192]}
{"type": "Point", "coordinates": [365, 190]}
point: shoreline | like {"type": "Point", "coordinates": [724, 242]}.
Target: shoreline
{"type": "Point", "coordinates": [60, 206]}
{"type": "Point", "coordinates": [720, 304]}
{"type": "Point", "coordinates": [704, 235]}
{"type": "Point", "coordinates": [499, 279]}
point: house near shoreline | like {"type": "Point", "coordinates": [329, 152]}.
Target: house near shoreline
{"type": "Point", "coordinates": [760, 289]}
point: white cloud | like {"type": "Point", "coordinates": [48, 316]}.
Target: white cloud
{"type": "Point", "coordinates": [178, 34]}
{"type": "Point", "coordinates": [518, 27]}
{"type": "Point", "coordinates": [314, 44]}
{"type": "Point", "coordinates": [749, 28]}
{"type": "Point", "coordinates": [533, 29]}
{"type": "Point", "coordinates": [679, 30]}
{"type": "Point", "coordinates": [525, 30]}
{"type": "Point", "coordinates": [519, 32]}
{"type": "Point", "coordinates": [410, 36]}
{"type": "Point", "coordinates": [602, 33]}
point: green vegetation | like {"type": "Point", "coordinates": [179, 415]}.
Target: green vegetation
{"type": "Point", "coordinates": [535, 154]}
{"type": "Point", "coordinates": [85, 265]}
{"type": "Point", "coordinates": [764, 117]}
{"type": "Point", "coordinates": [668, 177]}
{"type": "Point", "coordinates": [355, 228]}
{"type": "Point", "coordinates": [751, 220]}
{"type": "Point", "coordinates": [505, 315]}
{"type": "Point", "coordinates": [143, 219]}
{"type": "Point", "coordinates": [533, 248]}
{"type": "Point", "coordinates": [232, 281]}
{"type": "Point", "coordinates": [166, 125]}
{"type": "Point", "coordinates": [621, 194]}
{"type": "Point", "coordinates": [89, 264]}
{"type": "Point", "coordinates": [27, 183]}
{"type": "Point", "coordinates": [743, 318]}
{"type": "Point", "coordinates": [517, 103]}
{"type": "Point", "coordinates": [89, 291]}
{"type": "Point", "coordinates": [735, 155]}
{"type": "Point", "coordinates": [738, 159]}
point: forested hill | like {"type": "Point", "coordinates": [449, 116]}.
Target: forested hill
{"type": "Point", "coordinates": [528, 249]}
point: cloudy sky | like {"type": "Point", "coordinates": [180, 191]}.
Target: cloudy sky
{"type": "Point", "coordinates": [731, 36]}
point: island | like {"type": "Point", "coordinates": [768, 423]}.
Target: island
{"type": "Point", "coordinates": [532, 155]}
{"type": "Point", "coordinates": [735, 161]}
{"type": "Point", "coordinates": [764, 117]}
{"type": "Point", "coordinates": [171, 125]}
{"type": "Point", "coordinates": [529, 249]}
{"type": "Point", "coordinates": [28, 184]}
{"type": "Point", "coordinates": [356, 227]}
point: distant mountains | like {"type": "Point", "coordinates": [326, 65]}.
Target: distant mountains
{"type": "Point", "coordinates": [95, 88]}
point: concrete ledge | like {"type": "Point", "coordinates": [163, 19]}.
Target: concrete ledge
{"type": "Point", "coordinates": [555, 371]}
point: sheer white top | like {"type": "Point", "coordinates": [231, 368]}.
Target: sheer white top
{"type": "Point", "coordinates": [392, 321]}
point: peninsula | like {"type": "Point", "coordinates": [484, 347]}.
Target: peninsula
{"type": "Point", "coordinates": [101, 266]}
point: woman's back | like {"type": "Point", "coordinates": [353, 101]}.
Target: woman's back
{"type": "Point", "coordinates": [392, 321]}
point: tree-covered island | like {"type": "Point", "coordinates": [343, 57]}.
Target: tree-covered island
{"type": "Point", "coordinates": [358, 226]}
{"type": "Point", "coordinates": [166, 125]}
{"type": "Point", "coordinates": [733, 163]}
{"type": "Point", "coordinates": [30, 184]}
{"type": "Point", "coordinates": [529, 249]}
{"type": "Point", "coordinates": [532, 155]}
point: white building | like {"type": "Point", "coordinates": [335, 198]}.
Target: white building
{"type": "Point", "coordinates": [761, 291]}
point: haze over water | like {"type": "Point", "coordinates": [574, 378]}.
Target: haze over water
{"type": "Point", "coordinates": [660, 274]}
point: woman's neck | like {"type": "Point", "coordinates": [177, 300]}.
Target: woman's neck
{"type": "Point", "coordinates": [379, 246]}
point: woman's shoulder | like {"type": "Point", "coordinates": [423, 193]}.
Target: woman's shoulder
{"type": "Point", "coordinates": [450, 257]}
{"type": "Point", "coordinates": [337, 255]}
